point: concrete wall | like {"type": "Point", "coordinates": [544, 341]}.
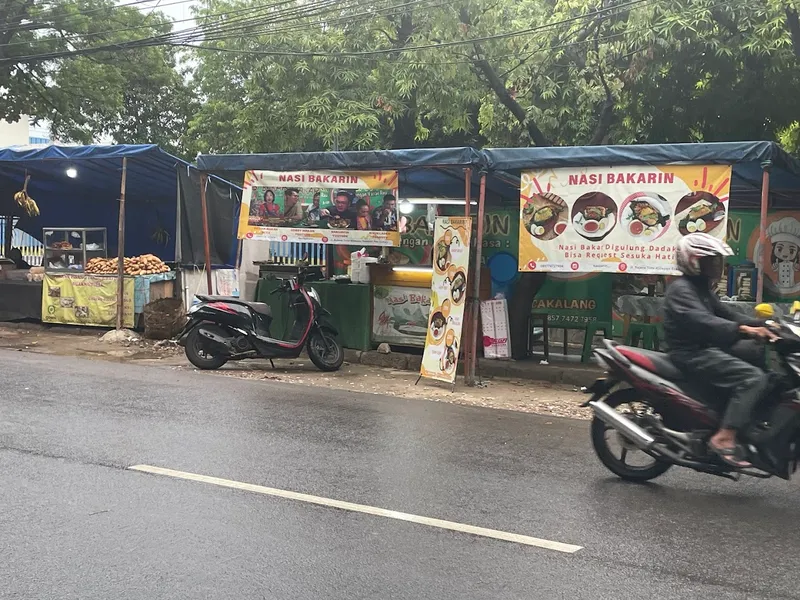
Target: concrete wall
{"type": "Point", "coordinates": [248, 273]}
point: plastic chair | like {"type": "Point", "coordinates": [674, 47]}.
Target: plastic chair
{"type": "Point", "coordinates": [650, 335]}
{"type": "Point", "coordinates": [544, 319]}
{"type": "Point", "coordinates": [591, 330]}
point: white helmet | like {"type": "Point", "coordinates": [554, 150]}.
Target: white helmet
{"type": "Point", "coordinates": [695, 246]}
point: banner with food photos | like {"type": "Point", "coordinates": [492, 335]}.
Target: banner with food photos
{"type": "Point", "coordinates": [618, 219]}
{"type": "Point", "coordinates": [451, 239]}
{"type": "Point", "coordinates": [329, 207]}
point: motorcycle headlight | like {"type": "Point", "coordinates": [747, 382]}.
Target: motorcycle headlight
{"type": "Point", "coordinates": [314, 294]}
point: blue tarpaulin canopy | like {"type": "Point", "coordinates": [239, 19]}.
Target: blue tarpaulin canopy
{"type": "Point", "coordinates": [747, 159]}
{"type": "Point", "coordinates": [352, 161]}
{"type": "Point", "coordinates": [91, 198]}
{"type": "Point", "coordinates": [439, 172]}
{"type": "Point", "coordinates": [424, 172]}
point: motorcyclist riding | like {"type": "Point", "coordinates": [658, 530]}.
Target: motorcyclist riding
{"type": "Point", "coordinates": [706, 340]}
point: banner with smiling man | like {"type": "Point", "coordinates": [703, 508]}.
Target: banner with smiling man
{"type": "Point", "coordinates": [329, 207]}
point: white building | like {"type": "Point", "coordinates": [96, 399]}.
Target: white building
{"type": "Point", "coordinates": [22, 133]}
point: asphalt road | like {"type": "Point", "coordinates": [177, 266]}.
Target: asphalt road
{"type": "Point", "coordinates": [76, 523]}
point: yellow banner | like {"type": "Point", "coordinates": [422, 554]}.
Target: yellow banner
{"type": "Point", "coordinates": [448, 297]}
{"type": "Point", "coordinates": [85, 300]}
{"type": "Point", "coordinates": [618, 219]}
{"type": "Point", "coordinates": [328, 207]}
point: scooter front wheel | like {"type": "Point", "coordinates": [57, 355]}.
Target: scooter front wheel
{"type": "Point", "coordinates": [199, 356]}
{"type": "Point", "coordinates": [325, 351]}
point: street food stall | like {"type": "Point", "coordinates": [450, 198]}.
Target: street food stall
{"type": "Point", "coordinates": [100, 264]}
{"type": "Point", "coordinates": [562, 232]}
{"type": "Point", "coordinates": [349, 201]}
{"type": "Point", "coordinates": [614, 213]}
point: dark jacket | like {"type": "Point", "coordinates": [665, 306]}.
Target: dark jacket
{"type": "Point", "coordinates": [695, 318]}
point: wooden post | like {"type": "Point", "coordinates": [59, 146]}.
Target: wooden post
{"type": "Point", "coordinates": [476, 300]}
{"type": "Point", "coordinates": [206, 241]}
{"type": "Point", "coordinates": [765, 254]}
{"type": "Point", "coordinates": [8, 233]}
{"type": "Point", "coordinates": [121, 247]}
{"type": "Point", "coordinates": [467, 350]}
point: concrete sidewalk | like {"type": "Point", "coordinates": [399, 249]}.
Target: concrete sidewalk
{"type": "Point", "coordinates": [555, 372]}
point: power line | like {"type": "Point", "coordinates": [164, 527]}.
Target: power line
{"type": "Point", "coordinates": [33, 25]}
{"type": "Point", "coordinates": [241, 23]}
{"type": "Point", "coordinates": [164, 40]}
{"type": "Point", "coordinates": [451, 43]}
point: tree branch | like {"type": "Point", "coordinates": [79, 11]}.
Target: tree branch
{"type": "Point", "coordinates": [607, 112]}
{"type": "Point", "coordinates": [498, 86]}
{"type": "Point", "coordinates": [793, 24]}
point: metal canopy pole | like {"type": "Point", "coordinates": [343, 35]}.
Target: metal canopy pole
{"type": "Point", "coordinates": [762, 237]}
{"type": "Point", "coordinates": [206, 241]}
{"type": "Point", "coordinates": [121, 246]}
{"type": "Point", "coordinates": [476, 299]}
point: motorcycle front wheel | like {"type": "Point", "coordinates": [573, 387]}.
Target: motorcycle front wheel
{"type": "Point", "coordinates": [199, 356]}
{"type": "Point", "coordinates": [325, 351]}
{"type": "Point", "coordinates": [619, 455]}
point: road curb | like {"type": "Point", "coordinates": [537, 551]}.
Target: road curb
{"type": "Point", "coordinates": [554, 373]}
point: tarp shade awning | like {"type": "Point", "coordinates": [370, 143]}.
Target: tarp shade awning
{"type": "Point", "coordinates": [91, 199]}
{"type": "Point", "coordinates": [515, 159]}
{"type": "Point", "coordinates": [341, 161]}
{"type": "Point", "coordinates": [424, 172]}
{"type": "Point", "coordinates": [223, 201]}
{"type": "Point", "coordinates": [439, 172]}
{"type": "Point", "coordinates": [746, 157]}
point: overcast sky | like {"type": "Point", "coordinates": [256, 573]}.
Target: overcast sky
{"type": "Point", "coordinates": [174, 9]}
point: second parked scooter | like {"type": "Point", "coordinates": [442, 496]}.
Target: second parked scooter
{"type": "Point", "coordinates": [221, 329]}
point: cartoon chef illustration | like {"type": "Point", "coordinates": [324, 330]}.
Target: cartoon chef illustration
{"type": "Point", "coordinates": [784, 238]}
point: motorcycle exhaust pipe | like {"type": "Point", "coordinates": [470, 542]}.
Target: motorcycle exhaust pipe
{"type": "Point", "coordinates": [623, 425]}
{"type": "Point", "coordinates": [225, 342]}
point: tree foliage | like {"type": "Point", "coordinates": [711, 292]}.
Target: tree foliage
{"type": "Point", "coordinates": [294, 75]}
{"type": "Point", "coordinates": [136, 95]}
{"type": "Point", "coordinates": [504, 73]}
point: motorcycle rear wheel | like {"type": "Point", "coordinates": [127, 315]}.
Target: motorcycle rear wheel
{"type": "Point", "coordinates": [199, 356]}
{"type": "Point", "coordinates": [325, 351]}
{"type": "Point", "coordinates": [602, 435]}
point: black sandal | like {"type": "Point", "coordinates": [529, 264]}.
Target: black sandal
{"type": "Point", "coordinates": [730, 456]}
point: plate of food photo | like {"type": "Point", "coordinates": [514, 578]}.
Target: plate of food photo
{"type": "Point", "coordinates": [594, 215]}
{"type": "Point", "coordinates": [458, 285]}
{"type": "Point", "coordinates": [545, 216]}
{"type": "Point", "coordinates": [338, 222]}
{"type": "Point", "coordinates": [439, 320]}
{"type": "Point", "coordinates": [699, 211]}
{"type": "Point", "coordinates": [646, 215]}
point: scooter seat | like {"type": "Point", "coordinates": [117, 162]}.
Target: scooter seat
{"type": "Point", "coordinates": [259, 307]}
{"type": "Point", "coordinates": [655, 362]}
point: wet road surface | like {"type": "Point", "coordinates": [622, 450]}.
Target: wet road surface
{"type": "Point", "coordinates": [77, 523]}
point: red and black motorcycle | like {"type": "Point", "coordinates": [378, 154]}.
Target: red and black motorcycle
{"type": "Point", "coordinates": [221, 329]}
{"type": "Point", "coordinates": [647, 417]}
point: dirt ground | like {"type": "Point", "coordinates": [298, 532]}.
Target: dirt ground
{"type": "Point", "coordinates": [508, 394]}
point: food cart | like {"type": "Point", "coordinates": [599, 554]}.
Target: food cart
{"type": "Point", "coordinates": [79, 215]}
{"type": "Point", "coordinates": [80, 282]}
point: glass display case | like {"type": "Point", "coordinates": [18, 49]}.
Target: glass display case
{"type": "Point", "coordinates": [68, 249]}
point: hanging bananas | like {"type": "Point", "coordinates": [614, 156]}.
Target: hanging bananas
{"type": "Point", "coordinates": [25, 201]}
